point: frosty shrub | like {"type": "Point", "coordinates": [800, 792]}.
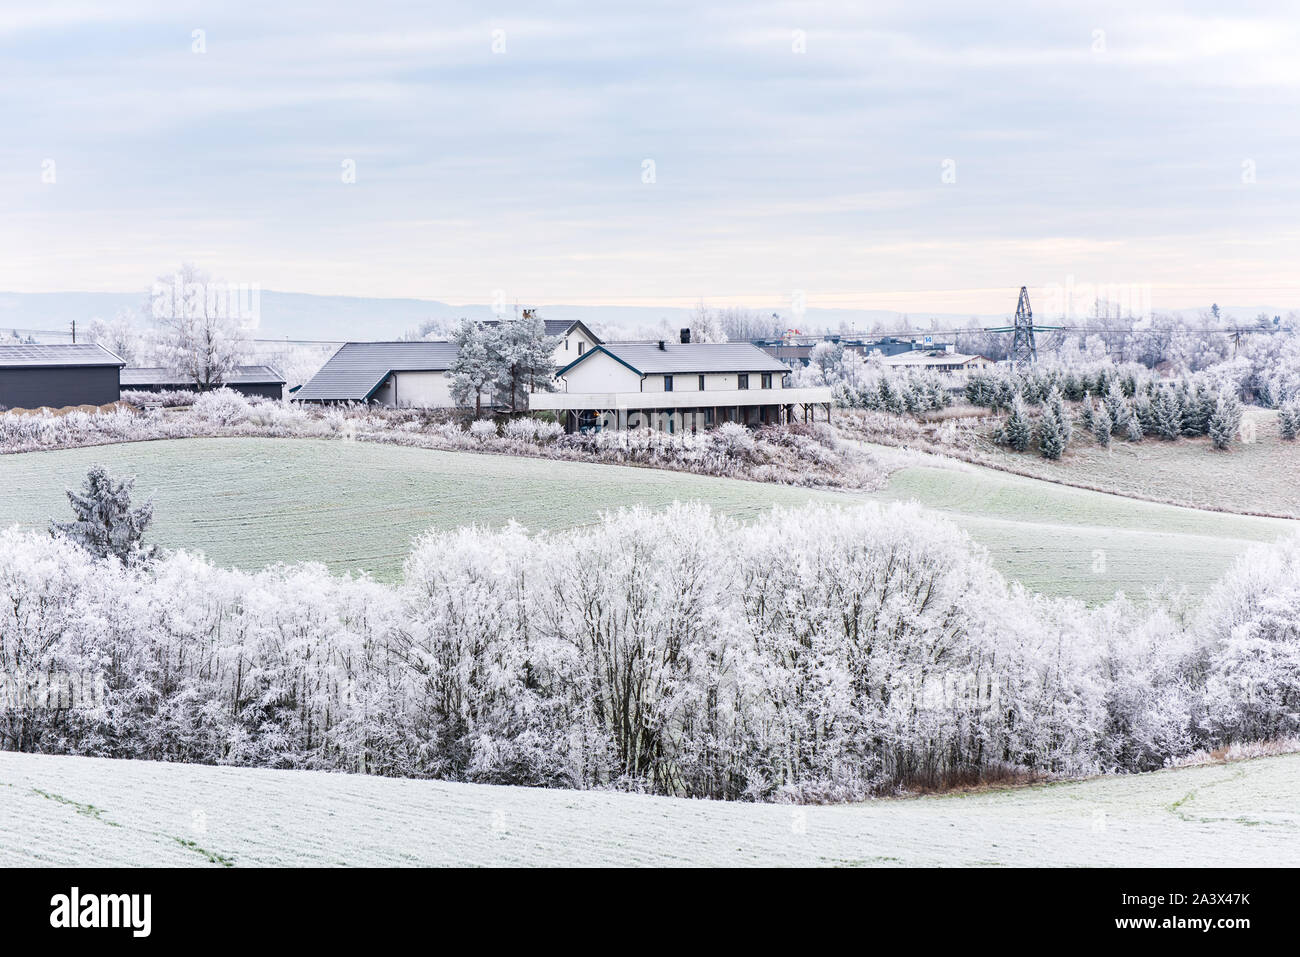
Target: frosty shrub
{"type": "Point", "coordinates": [168, 398]}
{"type": "Point", "coordinates": [106, 524]}
{"type": "Point", "coordinates": [1251, 619]}
{"type": "Point", "coordinates": [733, 440]}
{"type": "Point", "coordinates": [532, 430]}
{"type": "Point", "coordinates": [813, 654]}
{"type": "Point", "coordinates": [222, 407]}
{"type": "Point", "coordinates": [483, 429]}
{"type": "Point", "coordinates": [1288, 421]}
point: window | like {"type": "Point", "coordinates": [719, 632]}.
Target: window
{"type": "Point", "coordinates": [767, 380]}
{"type": "Point", "coordinates": [668, 383]}
{"type": "Point", "coordinates": [701, 383]}
{"type": "Point", "coordinates": [581, 347]}
{"type": "Point", "coordinates": [742, 381]}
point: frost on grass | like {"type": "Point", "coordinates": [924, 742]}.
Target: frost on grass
{"type": "Point", "coordinates": [797, 454]}
{"type": "Point", "coordinates": [817, 654]}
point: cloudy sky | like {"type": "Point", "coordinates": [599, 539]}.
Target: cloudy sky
{"type": "Point", "coordinates": [914, 156]}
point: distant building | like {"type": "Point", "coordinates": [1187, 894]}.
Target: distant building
{"type": "Point", "coordinates": [676, 386]}
{"type": "Point", "coordinates": [395, 374]}
{"type": "Point", "coordinates": [936, 360]}
{"type": "Point", "coordinates": [32, 376]}
{"type": "Point", "coordinates": [798, 349]}
{"type": "Point", "coordinates": [246, 380]}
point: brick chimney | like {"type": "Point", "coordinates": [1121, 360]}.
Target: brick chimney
{"type": "Point", "coordinates": [686, 337]}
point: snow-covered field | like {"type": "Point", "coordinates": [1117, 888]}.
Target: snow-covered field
{"type": "Point", "coordinates": [250, 502]}
{"type": "Point", "coordinates": [94, 812]}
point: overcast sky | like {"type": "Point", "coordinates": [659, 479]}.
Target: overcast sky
{"type": "Point", "coordinates": [795, 147]}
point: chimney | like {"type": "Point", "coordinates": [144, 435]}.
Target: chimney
{"type": "Point", "coordinates": [661, 346]}
{"type": "Point", "coordinates": [686, 337]}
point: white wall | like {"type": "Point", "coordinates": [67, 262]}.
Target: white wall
{"type": "Point", "coordinates": [576, 343]}
{"type": "Point", "coordinates": [601, 373]}
{"type": "Point", "coordinates": [418, 390]}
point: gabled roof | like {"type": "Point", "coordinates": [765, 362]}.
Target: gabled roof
{"type": "Point", "coordinates": [359, 368]}
{"type": "Point", "coordinates": [647, 358]}
{"type": "Point", "coordinates": [49, 356]}
{"type": "Point", "coordinates": [556, 327]}
{"type": "Point", "coordinates": [243, 375]}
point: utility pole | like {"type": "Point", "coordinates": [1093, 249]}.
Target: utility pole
{"type": "Point", "coordinates": [74, 331]}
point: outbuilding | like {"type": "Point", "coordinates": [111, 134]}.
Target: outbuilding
{"type": "Point", "coordinates": [58, 375]}
{"type": "Point", "coordinates": [246, 380]}
{"type": "Point", "coordinates": [397, 374]}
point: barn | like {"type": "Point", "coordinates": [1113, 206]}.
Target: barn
{"type": "Point", "coordinates": [246, 380]}
{"type": "Point", "coordinates": [61, 375]}
{"type": "Point", "coordinates": [396, 374]}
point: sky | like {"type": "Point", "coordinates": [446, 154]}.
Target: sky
{"type": "Point", "coordinates": [886, 155]}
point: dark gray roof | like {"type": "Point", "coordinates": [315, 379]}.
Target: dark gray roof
{"type": "Point", "coordinates": [359, 368]}
{"type": "Point", "coordinates": [688, 357]}
{"type": "Point", "coordinates": [243, 375]}
{"type": "Point", "coordinates": [67, 354]}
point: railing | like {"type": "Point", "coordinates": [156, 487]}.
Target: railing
{"type": "Point", "coordinates": [694, 399]}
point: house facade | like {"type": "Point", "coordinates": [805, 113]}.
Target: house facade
{"type": "Point", "coordinates": [677, 387]}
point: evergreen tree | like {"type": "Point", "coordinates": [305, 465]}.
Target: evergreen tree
{"type": "Point", "coordinates": [1168, 418]}
{"type": "Point", "coordinates": [1087, 410]}
{"type": "Point", "coordinates": [1101, 426]}
{"type": "Point", "coordinates": [1050, 441]}
{"type": "Point", "coordinates": [1133, 427]}
{"type": "Point", "coordinates": [106, 524]}
{"type": "Point", "coordinates": [1017, 432]}
{"type": "Point", "coordinates": [1225, 420]}
{"type": "Point", "coordinates": [1057, 409]}
{"type": "Point", "coordinates": [1288, 420]}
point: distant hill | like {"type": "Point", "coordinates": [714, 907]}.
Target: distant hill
{"type": "Point", "coordinates": [295, 315]}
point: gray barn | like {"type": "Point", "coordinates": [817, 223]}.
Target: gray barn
{"type": "Point", "coordinates": [246, 380]}
{"type": "Point", "coordinates": [58, 375]}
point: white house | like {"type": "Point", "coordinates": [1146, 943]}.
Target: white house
{"type": "Point", "coordinates": [395, 374]}
{"type": "Point", "coordinates": [676, 386]}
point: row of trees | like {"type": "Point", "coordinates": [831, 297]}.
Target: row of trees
{"type": "Point", "coordinates": [672, 652]}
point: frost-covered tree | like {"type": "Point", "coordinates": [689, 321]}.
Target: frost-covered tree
{"type": "Point", "coordinates": [1051, 442]}
{"type": "Point", "coordinates": [202, 336]}
{"type": "Point", "coordinates": [1224, 420]}
{"type": "Point", "coordinates": [1017, 432]}
{"type": "Point", "coordinates": [1102, 425]}
{"type": "Point", "coordinates": [475, 365]}
{"type": "Point", "coordinates": [525, 359]}
{"type": "Point", "coordinates": [106, 523]}
{"type": "Point", "coordinates": [1288, 421]}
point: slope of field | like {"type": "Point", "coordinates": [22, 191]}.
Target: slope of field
{"type": "Point", "coordinates": [1062, 540]}
{"type": "Point", "coordinates": [350, 505]}
{"type": "Point", "coordinates": [1261, 477]}
{"type": "Point", "coordinates": [97, 812]}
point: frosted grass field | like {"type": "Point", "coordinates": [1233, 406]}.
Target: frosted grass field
{"type": "Point", "coordinates": [353, 506]}
{"type": "Point", "coordinates": [1057, 539]}
{"type": "Point", "coordinates": [96, 812]}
